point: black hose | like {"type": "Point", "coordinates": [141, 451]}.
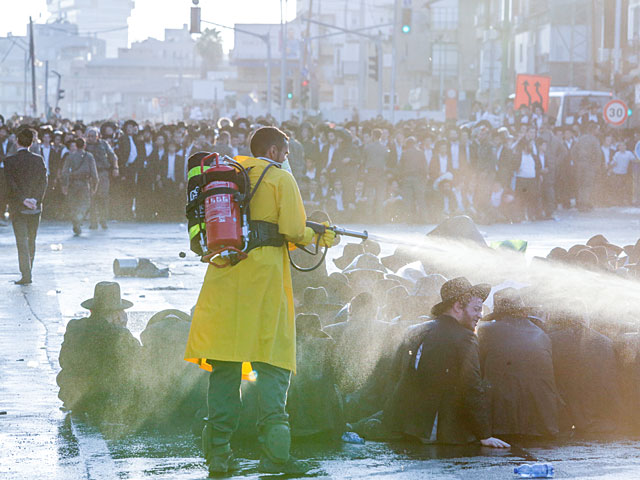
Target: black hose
{"type": "Point", "coordinates": [309, 269]}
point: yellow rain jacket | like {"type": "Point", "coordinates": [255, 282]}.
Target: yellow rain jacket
{"type": "Point", "coordinates": [245, 312]}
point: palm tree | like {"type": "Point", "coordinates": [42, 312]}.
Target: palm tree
{"type": "Point", "coordinates": [209, 47]}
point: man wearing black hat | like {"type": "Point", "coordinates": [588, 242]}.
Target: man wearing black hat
{"type": "Point", "coordinates": [440, 366]}
{"type": "Point", "coordinates": [97, 356]}
{"type": "Point", "coordinates": [516, 359]}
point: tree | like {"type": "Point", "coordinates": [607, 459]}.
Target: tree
{"type": "Point", "coordinates": [209, 47]}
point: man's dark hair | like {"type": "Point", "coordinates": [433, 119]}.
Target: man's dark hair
{"type": "Point", "coordinates": [25, 137]}
{"type": "Point", "coordinates": [79, 143]}
{"type": "Point", "coordinates": [264, 138]}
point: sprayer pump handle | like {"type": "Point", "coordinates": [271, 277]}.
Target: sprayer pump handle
{"type": "Point", "coordinates": [318, 228]}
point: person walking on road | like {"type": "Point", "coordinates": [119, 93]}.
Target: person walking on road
{"type": "Point", "coordinates": [26, 179]}
{"type": "Point", "coordinates": [79, 182]}
{"type": "Point", "coordinates": [245, 314]}
{"type": "Point", "coordinates": [107, 165]}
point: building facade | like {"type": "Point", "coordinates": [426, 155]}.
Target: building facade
{"type": "Point", "coordinates": [103, 19]}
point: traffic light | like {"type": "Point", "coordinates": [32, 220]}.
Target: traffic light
{"type": "Point", "coordinates": [406, 20]}
{"type": "Point", "coordinates": [60, 94]}
{"type": "Point", "coordinates": [304, 92]}
{"type": "Point", "coordinates": [373, 66]}
{"type": "Point", "coordinates": [289, 88]}
{"type": "Point", "coordinates": [195, 20]}
{"type": "Point", "coordinates": [276, 95]}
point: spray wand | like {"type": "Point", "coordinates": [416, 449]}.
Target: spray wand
{"type": "Point", "coordinates": [319, 230]}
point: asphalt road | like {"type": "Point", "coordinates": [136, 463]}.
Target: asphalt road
{"type": "Point", "coordinates": [38, 440]}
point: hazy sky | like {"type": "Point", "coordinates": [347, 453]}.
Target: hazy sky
{"type": "Point", "coordinates": [150, 17]}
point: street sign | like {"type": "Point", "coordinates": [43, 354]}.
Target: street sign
{"type": "Point", "coordinates": [615, 112]}
{"type": "Point", "coordinates": [532, 89]}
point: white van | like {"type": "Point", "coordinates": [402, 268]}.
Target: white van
{"type": "Point", "coordinates": [565, 104]}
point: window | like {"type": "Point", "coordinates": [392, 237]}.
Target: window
{"type": "Point", "coordinates": [444, 18]}
{"type": "Point", "coordinates": [445, 59]}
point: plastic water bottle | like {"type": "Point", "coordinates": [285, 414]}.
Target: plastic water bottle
{"type": "Point", "coordinates": [352, 437]}
{"type": "Point", "coordinates": [537, 470]}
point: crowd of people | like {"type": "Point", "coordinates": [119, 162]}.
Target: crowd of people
{"type": "Point", "coordinates": [391, 347]}
{"type": "Point", "coordinates": [509, 168]}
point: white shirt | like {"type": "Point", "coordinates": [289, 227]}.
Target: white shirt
{"type": "Point", "coordinates": [332, 150]}
{"type": "Point", "coordinates": [455, 156]}
{"type": "Point", "coordinates": [133, 152]}
{"type": "Point", "coordinates": [606, 150]}
{"type": "Point", "coordinates": [46, 151]}
{"type": "Point", "coordinates": [620, 162]}
{"type": "Point", "coordinates": [148, 148]}
{"type": "Point", "coordinates": [527, 166]}
{"type": "Point", "coordinates": [542, 160]}
{"type": "Point", "coordinates": [171, 166]}
{"type": "Point", "coordinates": [443, 163]}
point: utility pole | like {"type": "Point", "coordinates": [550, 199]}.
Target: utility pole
{"type": "Point", "coordinates": [571, 48]}
{"type": "Point", "coordinates": [506, 32]}
{"type": "Point", "coordinates": [617, 53]}
{"type": "Point", "coordinates": [363, 49]}
{"type": "Point", "coordinates": [283, 63]}
{"type": "Point", "coordinates": [379, 52]}
{"type": "Point", "coordinates": [33, 69]}
{"type": "Point", "coordinates": [394, 51]}
{"type": "Point", "coordinates": [591, 38]}
{"type": "Point", "coordinates": [46, 89]}
{"type": "Point", "coordinates": [57, 87]}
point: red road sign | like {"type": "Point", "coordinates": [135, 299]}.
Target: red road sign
{"type": "Point", "coordinates": [532, 89]}
{"type": "Point", "coordinates": [616, 112]}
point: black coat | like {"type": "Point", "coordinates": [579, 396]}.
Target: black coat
{"type": "Point", "coordinates": [517, 363]}
{"type": "Point", "coordinates": [123, 150]}
{"type": "Point", "coordinates": [26, 177]}
{"type": "Point", "coordinates": [586, 375]}
{"type": "Point", "coordinates": [97, 376]}
{"type": "Point", "coordinates": [446, 381]}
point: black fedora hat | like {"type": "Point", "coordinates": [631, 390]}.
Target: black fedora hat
{"type": "Point", "coordinates": [452, 290]}
{"type": "Point", "coordinates": [309, 325]}
{"type": "Point", "coordinates": [106, 298]}
{"type": "Point", "coordinates": [317, 298]}
{"type": "Point", "coordinates": [507, 301]}
{"type": "Point", "coordinates": [350, 251]}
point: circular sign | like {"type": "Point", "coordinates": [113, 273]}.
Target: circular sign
{"type": "Point", "coordinates": [615, 112]}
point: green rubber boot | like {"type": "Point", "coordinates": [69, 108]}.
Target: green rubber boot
{"type": "Point", "coordinates": [276, 443]}
{"type": "Point", "coordinates": [219, 456]}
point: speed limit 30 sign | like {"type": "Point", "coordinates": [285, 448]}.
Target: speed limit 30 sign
{"type": "Point", "coordinates": [615, 112]}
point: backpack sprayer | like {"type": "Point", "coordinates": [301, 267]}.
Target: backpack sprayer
{"type": "Point", "coordinates": [218, 211]}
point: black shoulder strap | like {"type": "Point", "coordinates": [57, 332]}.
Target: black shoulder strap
{"type": "Point", "coordinates": [253, 191]}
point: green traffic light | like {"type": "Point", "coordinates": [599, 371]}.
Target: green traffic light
{"type": "Point", "coordinates": [289, 95]}
{"type": "Point", "coordinates": [629, 112]}
{"type": "Point", "coordinates": [406, 28]}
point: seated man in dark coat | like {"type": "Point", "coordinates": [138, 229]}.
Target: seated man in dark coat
{"type": "Point", "coordinates": [516, 361]}
{"type": "Point", "coordinates": [313, 403]}
{"type": "Point", "coordinates": [97, 358]}
{"type": "Point", "coordinates": [440, 395]}
{"type": "Point", "coordinates": [174, 390]}
{"type": "Point", "coordinates": [586, 373]}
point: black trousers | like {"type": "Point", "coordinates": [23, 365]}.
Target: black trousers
{"type": "Point", "coordinates": [25, 228]}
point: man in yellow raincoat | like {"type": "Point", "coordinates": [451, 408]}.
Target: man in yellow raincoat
{"type": "Point", "coordinates": [245, 314]}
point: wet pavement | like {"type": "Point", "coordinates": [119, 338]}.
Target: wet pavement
{"type": "Point", "coordinates": [39, 440]}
